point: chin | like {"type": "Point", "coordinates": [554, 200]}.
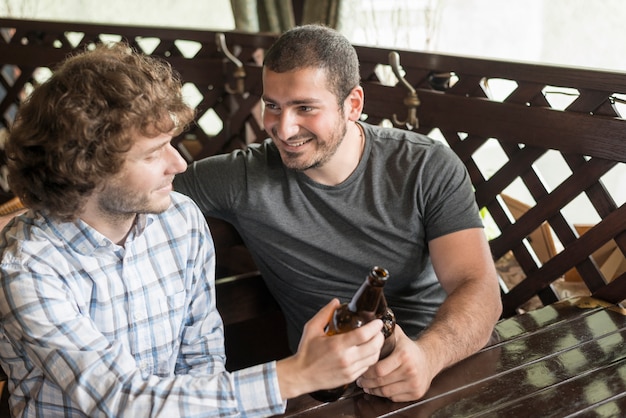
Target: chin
{"type": "Point", "coordinates": [163, 208]}
{"type": "Point", "coordinates": [294, 162]}
{"type": "Point", "coordinates": [161, 205]}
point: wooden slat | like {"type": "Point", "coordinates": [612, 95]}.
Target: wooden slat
{"type": "Point", "coordinates": [551, 204]}
{"type": "Point", "coordinates": [585, 387]}
{"type": "Point", "coordinates": [579, 78]}
{"type": "Point", "coordinates": [547, 316]}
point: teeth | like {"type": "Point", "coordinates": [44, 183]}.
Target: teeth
{"type": "Point", "coordinates": [298, 144]}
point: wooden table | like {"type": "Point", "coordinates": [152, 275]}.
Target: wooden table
{"type": "Point", "coordinates": [566, 359]}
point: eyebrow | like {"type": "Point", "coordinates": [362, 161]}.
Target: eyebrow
{"type": "Point", "coordinates": [294, 102]}
{"type": "Point", "coordinates": [156, 147]}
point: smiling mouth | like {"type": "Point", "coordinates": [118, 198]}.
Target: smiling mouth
{"type": "Point", "coordinates": [297, 144]}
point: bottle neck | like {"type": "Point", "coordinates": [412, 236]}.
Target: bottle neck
{"type": "Point", "coordinates": [368, 297]}
{"type": "Point", "coordinates": [365, 299]}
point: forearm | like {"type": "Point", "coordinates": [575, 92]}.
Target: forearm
{"type": "Point", "coordinates": [463, 324]}
{"type": "Point", "coordinates": [292, 381]}
{"type": "Point", "coordinates": [109, 383]}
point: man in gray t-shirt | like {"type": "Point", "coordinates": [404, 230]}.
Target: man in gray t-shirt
{"type": "Point", "coordinates": [328, 197]}
{"type": "Point", "coordinates": [314, 241]}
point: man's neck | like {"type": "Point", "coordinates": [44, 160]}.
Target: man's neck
{"type": "Point", "coordinates": [114, 227]}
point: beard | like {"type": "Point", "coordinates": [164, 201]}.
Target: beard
{"type": "Point", "coordinates": [117, 202]}
{"type": "Point", "coordinates": [321, 155]}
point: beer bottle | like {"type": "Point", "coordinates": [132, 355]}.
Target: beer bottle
{"type": "Point", "coordinates": [368, 303]}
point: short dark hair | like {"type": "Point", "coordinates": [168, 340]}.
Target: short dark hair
{"type": "Point", "coordinates": [73, 131]}
{"type": "Point", "coordinates": [317, 46]}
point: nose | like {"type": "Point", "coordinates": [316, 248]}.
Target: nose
{"type": "Point", "coordinates": [286, 125]}
{"type": "Point", "coordinates": [177, 163]}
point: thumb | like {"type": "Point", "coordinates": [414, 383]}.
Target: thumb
{"type": "Point", "coordinates": [323, 316]}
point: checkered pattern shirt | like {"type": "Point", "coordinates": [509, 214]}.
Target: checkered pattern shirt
{"type": "Point", "coordinates": [89, 328]}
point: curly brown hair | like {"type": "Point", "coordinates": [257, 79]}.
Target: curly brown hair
{"type": "Point", "coordinates": [73, 131]}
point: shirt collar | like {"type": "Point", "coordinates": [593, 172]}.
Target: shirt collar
{"type": "Point", "coordinates": [84, 239]}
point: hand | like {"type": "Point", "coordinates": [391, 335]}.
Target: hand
{"type": "Point", "coordinates": [405, 375]}
{"type": "Point", "coordinates": [323, 361]}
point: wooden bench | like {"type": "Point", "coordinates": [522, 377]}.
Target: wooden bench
{"type": "Point", "coordinates": [454, 99]}
{"type": "Point", "coordinates": [254, 325]}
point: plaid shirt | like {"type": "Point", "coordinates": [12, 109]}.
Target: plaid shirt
{"type": "Point", "coordinates": [90, 328]}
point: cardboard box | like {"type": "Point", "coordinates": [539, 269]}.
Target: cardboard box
{"type": "Point", "coordinates": [540, 239]}
{"type": "Point", "coordinates": [609, 259]}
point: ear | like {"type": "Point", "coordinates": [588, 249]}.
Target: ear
{"type": "Point", "coordinates": [353, 106]}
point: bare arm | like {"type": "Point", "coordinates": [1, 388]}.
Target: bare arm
{"type": "Point", "coordinates": [463, 324]}
{"type": "Point", "coordinates": [465, 321]}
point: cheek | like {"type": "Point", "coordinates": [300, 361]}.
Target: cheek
{"type": "Point", "coordinates": [269, 120]}
{"type": "Point", "coordinates": [140, 177]}
{"type": "Point", "coordinates": [321, 125]}
{"type": "Point", "coordinates": [136, 184]}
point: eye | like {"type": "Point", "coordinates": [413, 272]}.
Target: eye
{"type": "Point", "coordinates": [270, 106]}
{"type": "Point", "coordinates": [306, 109]}
{"type": "Point", "coordinates": [154, 154]}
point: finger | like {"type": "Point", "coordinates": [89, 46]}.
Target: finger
{"type": "Point", "coordinates": [372, 378]}
{"type": "Point", "coordinates": [397, 392]}
{"type": "Point", "coordinates": [363, 342]}
{"type": "Point", "coordinates": [361, 358]}
{"type": "Point", "coordinates": [389, 369]}
{"type": "Point", "coordinates": [395, 360]}
{"type": "Point", "coordinates": [364, 346]}
{"type": "Point", "coordinates": [381, 392]}
{"type": "Point", "coordinates": [366, 333]}
{"type": "Point", "coordinates": [323, 316]}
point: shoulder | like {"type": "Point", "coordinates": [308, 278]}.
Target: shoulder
{"type": "Point", "coordinates": [257, 152]}
{"type": "Point", "coordinates": [180, 201]}
{"type": "Point", "coordinates": [394, 138]}
{"type": "Point", "coordinates": [31, 239]}
{"type": "Point", "coordinates": [408, 145]}
{"type": "Point", "coordinates": [183, 206]}
{"type": "Point", "coordinates": [224, 170]}
{"type": "Point", "coordinates": [262, 156]}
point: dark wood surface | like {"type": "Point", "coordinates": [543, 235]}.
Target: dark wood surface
{"type": "Point", "coordinates": [565, 359]}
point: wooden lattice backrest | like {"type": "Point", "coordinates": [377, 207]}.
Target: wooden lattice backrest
{"type": "Point", "coordinates": [456, 100]}
{"type": "Point", "coordinates": [28, 47]}
{"type": "Point", "coordinates": [589, 136]}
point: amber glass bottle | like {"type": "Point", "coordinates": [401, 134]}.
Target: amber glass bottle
{"type": "Point", "coordinates": [368, 303]}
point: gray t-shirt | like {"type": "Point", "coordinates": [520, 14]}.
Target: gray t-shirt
{"type": "Point", "coordinates": [313, 242]}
